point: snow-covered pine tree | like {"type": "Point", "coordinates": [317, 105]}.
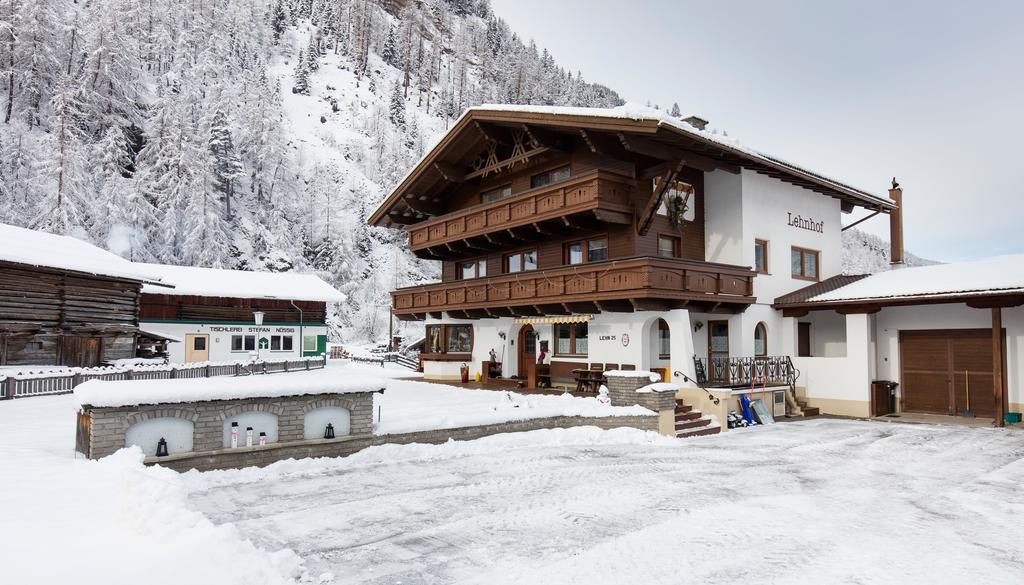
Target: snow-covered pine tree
{"type": "Point", "coordinates": [313, 53]}
{"type": "Point", "coordinates": [390, 50]}
{"type": "Point", "coordinates": [301, 83]}
{"type": "Point", "coordinates": [227, 166]}
{"type": "Point", "coordinates": [675, 113]}
{"type": "Point", "coordinates": [396, 111]}
{"type": "Point", "coordinates": [278, 20]}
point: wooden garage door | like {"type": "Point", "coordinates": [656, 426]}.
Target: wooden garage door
{"type": "Point", "coordinates": [938, 366]}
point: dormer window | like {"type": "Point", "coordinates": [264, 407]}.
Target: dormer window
{"type": "Point", "coordinates": [547, 177]}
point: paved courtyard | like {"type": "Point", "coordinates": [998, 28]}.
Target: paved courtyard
{"type": "Point", "coordinates": [826, 501]}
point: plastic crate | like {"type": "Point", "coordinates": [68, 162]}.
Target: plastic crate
{"type": "Point", "coordinates": [1012, 417]}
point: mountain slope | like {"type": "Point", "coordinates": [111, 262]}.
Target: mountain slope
{"type": "Point", "coordinates": [864, 253]}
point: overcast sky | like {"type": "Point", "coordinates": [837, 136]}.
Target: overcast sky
{"type": "Point", "coordinates": [862, 91]}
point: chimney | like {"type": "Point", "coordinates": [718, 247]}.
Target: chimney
{"type": "Point", "coordinates": [896, 225]}
{"type": "Point", "coordinates": [696, 121]}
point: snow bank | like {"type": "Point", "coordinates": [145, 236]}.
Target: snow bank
{"type": "Point", "coordinates": [410, 406]}
{"type": "Point", "coordinates": [213, 282]}
{"type": "Point", "coordinates": [109, 521]}
{"type": "Point", "coordinates": [135, 392]}
{"type": "Point", "coordinates": [1001, 274]}
{"type": "Point", "coordinates": [35, 248]}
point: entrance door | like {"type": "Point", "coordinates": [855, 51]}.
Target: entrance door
{"type": "Point", "coordinates": [527, 349]}
{"type": "Point", "coordinates": [197, 348]}
{"type": "Point", "coordinates": [82, 352]}
{"type": "Point", "coordinates": [718, 351]}
{"type": "Point", "coordinates": [803, 340]}
{"type": "Point", "coordinates": [938, 367]}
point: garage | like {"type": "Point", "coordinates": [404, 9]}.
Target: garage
{"type": "Point", "coordinates": [939, 366]}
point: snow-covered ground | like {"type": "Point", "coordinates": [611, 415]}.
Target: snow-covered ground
{"type": "Point", "coordinates": [815, 501]}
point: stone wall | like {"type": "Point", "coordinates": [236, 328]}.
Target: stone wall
{"type": "Point", "coordinates": [622, 392]}
{"type": "Point", "coordinates": [261, 456]}
{"type": "Point", "coordinates": [105, 432]}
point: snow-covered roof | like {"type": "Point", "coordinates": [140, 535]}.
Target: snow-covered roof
{"type": "Point", "coordinates": [35, 248]}
{"type": "Point", "coordinates": [100, 393]}
{"type": "Point", "coordinates": [214, 282]}
{"type": "Point", "coordinates": [641, 115]}
{"type": "Point", "coordinates": [637, 112]}
{"type": "Point", "coordinates": [1000, 275]}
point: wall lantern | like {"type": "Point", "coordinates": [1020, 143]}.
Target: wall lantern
{"type": "Point", "coordinates": [161, 447]}
{"type": "Point", "coordinates": [257, 317]}
{"type": "Point", "coordinates": [329, 431]}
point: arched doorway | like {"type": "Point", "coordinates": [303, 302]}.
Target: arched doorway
{"type": "Point", "coordinates": [527, 349]}
{"type": "Point", "coordinates": [664, 346]}
{"type": "Point", "coordinates": [760, 340]}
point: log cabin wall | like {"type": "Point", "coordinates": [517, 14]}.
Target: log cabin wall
{"type": "Point", "coordinates": [157, 307]}
{"type": "Point", "coordinates": [49, 316]}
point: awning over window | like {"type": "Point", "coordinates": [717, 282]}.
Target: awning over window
{"type": "Point", "coordinates": [553, 319]}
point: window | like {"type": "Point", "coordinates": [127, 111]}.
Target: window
{"type": "Point", "coordinates": [668, 246]}
{"type": "Point", "coordinates": [595, 251]}
{"type": "Point", "coordinates": [547, 177]}
{"type": "Point", "coordinates": [521, 261]}
{"type": "Point", "coordinates": [664, 340]}
{"type": "Point", "coordinates": [760, 340]}
{"type": "Point", "coordinates": [308, 343]}
{"type": "Point", "coordinates": [199, 343]}
{"type": "Point", "coordinates": [805, 263]}
{"type": "Point", "coordinates": [761, 256]}
{"type": "Point", "coordinates": [443, 339]}
{"type": "Point", "coordinates": [244, 343]}
{"type": "Point", "coordinates": [459, 338]}
{"type": "Point", "coordinates": [472, 269]}
{"type": "Point", "coordinates": [496, 194]}
{"type": "Point", "coordinates": [281, 343]}
{"type": "Point", "coordinates": [571, 339]}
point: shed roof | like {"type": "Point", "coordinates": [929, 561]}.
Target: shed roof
{"type": "Point", "coordinates": [215, 282]}
{"type": "Point", "coordinates": [46, 250]}
{"type": "Point", "coordinates": [1000, 276]}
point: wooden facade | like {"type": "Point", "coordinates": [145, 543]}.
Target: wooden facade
{"type": "Point", "coordinates": [52, 316]}
{"type": "Point", "coordinates": [201, 309]}
{"type": "Point", "coordinates": [493, 197]}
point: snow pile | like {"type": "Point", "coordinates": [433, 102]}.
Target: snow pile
{"type": "Point", "coordinates": [102, 393]}
{"type": "Point", "coordinates": [1002, 274]}
{"type": "Point", "coordinates": [109, 521]}
{"type": "Point", "coordinates": [35, 248]}
{"type": "Point", "coordinates": [410, 406]}
{"type": "Point", "coordinates": [212, 282]}
{"type": "Point", "coordinates": [632, 374]}
{"type": "Point", "coordinates": [659, 387]}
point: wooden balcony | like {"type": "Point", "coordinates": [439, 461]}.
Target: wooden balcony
{"type": "Point", "coordinates": [642, 283]}
{"type": "Point", "coordinates": [600, 194]}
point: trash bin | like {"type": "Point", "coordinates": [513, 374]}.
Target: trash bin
{"type": "Point", "coordinates": [883, 397]}
{"type": "Point", "coordinates": [464, 370]}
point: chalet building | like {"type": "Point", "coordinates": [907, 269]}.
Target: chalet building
{"type": "Point", "coordinates": [66, 302]}
{"type": "Point", "coordinates": [210, 314]}
{"type": "Point", "coordinates": [624, 238]}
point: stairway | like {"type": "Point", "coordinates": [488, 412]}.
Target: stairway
{"type": "Point", "coordinates": [691, 423]}
{"type": "Point", "coordinates": [808, 410]}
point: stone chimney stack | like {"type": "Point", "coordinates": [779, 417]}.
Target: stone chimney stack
{"type": "Point", "coordinates": [896, 225]}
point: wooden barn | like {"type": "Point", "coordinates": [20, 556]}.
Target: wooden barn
{"type": "Point", "coordinates": [64, 301]}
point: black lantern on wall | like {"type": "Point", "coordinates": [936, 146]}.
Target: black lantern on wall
{"type": "Point", "coordinates": [329, 431]}
{"type": "Point", "coordinates": [161, 448]}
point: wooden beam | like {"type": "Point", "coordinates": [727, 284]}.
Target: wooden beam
{"type": "Point", "coordinates": [540, 137]}
{"type": "Point", "coordinates": [502, 164]}
{"type": "Point", "coordinates": [795, 312]}
{"type": "Point", "coordinates": [650, 148]}
{"type": "Point", "coordinates": [485, 132]}
{"type": "Point", "coordinates": [997, 366]}
{"type": "Point", "coordinates": [860, 221]}
{"type": "Point", "coordinates": [609, 216]}
{"type": "Point", "coordinates": [647, 216]}
{"type": "Point", "coordinates": [451, 172]}
{"type": "Point", "coordinates": [859, 310]}
{"type": "Point", "coordinates": [541, 231]}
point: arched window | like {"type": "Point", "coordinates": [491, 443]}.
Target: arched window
{"type": "Point", "coordinates": [664, 340]}
{"type": "Point", "coordinates": [760, 340]}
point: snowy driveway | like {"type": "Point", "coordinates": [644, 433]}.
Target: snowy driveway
{"type": "Point", "coordinates": [815, 501]}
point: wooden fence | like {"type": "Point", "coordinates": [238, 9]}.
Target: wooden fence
{"type": "Point", "coordinates": [46, 383]}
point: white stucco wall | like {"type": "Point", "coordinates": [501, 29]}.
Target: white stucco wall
{"type": "Point", "coordinates": [846, 379]}
{"type": "Point", "coordinates": [723, 218]}
{"type": "Point", "coordinates": [220, 338]}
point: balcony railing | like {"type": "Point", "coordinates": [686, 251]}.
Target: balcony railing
{"type": "Point", "coordinates": [631, 280]}
{"type": "Point", "coordinates": [587, 192]}
{"type": "Point", "coordinates": [772, 370]}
